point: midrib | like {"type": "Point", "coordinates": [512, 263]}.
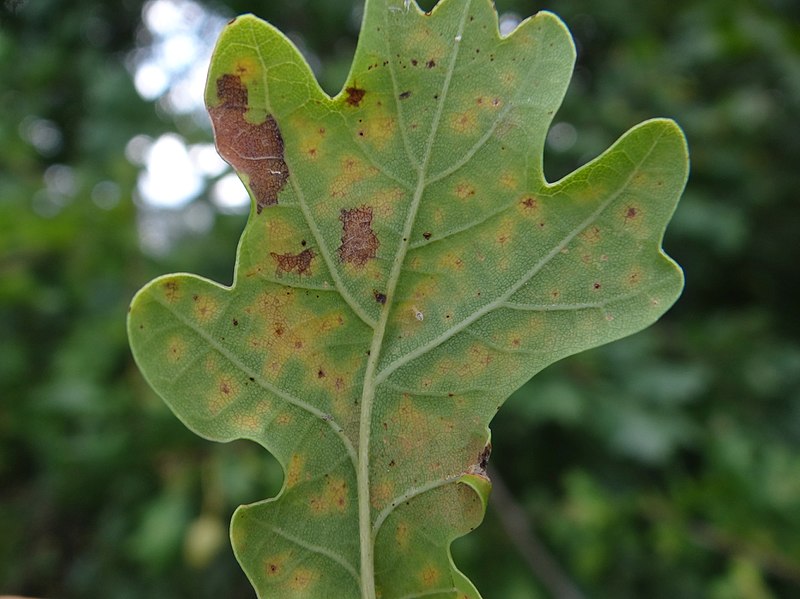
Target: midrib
{"type": "Point", "coordinates": [370, 382]}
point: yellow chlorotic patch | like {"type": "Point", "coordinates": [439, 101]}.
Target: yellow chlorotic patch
{"type": "Point", "coordinates": [385, 202]}
{"type": "Point", "coordinates": [402, 535]}
{"type": "Point", "coordinates": [464, 190]}
{"type": "Point", "coordinates": [302, 578]}
{"type": "Point", "coordinates": [477, 360]}
{"type": "Point", "coordinates": [381, 493]}
{"type": "Point", "coordinates": [464, 122]}
{"type": "Point", "coordinates": [224, 392]}
{"type": "Point", "coordinates": [490, 102]}
{"type": "Point", "coordinates": [430, 576]}
{"type": "Point", "coordinates": [247, 68]}
{"type": "Point", "coordinates": [378, 130]}
{"type": "Point", "coordinates": [634, 277]}
{"type": "Point", "coordinates": [509, 181]}
{"type": "Point", "coordinates": [283, 419]}
{"type": "Point", "coordinates": [176, 349]}
{"type": "Point", "coordinates": [282, 233]}
{"type": "Point", "coordinates": [205, 308]}
{"type": "Point", "coordinates": [172, 291]}
{"type": "Point", "coordinates": [352, 170]}
{"type": "Point", "coordinates": [334, 497]}
{"type": "Point", "coordinates": [294, 470]}
{"type": "Point", "coordinates": [508, 78]}
{"type": "Point", "coordinates": [247, 424]}
{"type": "Point", "coordinates": [410, 426]}
{"type": "Point", "coordinates": [275, 565]}
{"type": "Point", "coordinates": [592, 234]}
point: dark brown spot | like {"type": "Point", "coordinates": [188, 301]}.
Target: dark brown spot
{"type": "Point", "coordinates": [596, 285]}
{"type": "Point", "coordinates": [529, 203]}
{"type": "Point", "coordinates": [427, 235]}
{"type": "Point", "coordinates": [430, 64]}
{"type": "Point", "coordinates": [631, 212]}
{"type": "Point", "coordinates": [359, 243]}
{"type": "Point", "coordinates": [380, 297]}
{"type": "Point", "coordinates": [298, 263]}
{"type": "Point", "coordinates": [254, 150]}
{"type": "Point", "coordinates": [232, 21]}
{"type": "Point", "coordinates": [414, 61]}
{"type": "Point", "coordinates": [354, 96]}
{"type": "Point", "coordinates": [303, 243]}
{"type": "Point", "coordinates": [235, 322]}
{"type": "Point", "coordinates": [479, 467]}
{"type": "Point", "coordinates": [405, 95]}
{"type": "Point", "coordinates": [225, 388]}
{"type": "Point", "coordinates": [321, 374]}
{"type": "Point", "coordinates": [391, 463]}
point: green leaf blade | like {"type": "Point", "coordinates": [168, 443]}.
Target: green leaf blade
{"type": "Point", "coordinates": [405, 267]}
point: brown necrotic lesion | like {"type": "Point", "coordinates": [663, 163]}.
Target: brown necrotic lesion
{"type": "Point", "coordinates": [297, 263]}
{"type": "Point", "coordinates": [255, 150]}
{"type": "Point", "coordinates": [359, 242]}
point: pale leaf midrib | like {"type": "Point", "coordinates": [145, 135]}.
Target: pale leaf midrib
{"type": "Point", "coordinates": [370, 387]}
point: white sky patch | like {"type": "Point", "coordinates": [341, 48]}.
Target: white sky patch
{"type": "Point", "coordinates": [509, 21]}
{"type": "Point", "coordinates": [562, 136]}
{"type": "Point", "coordinates": [172, 65]}
{"type": "Point", "coordinates": [170, 178]}
{"type": "Point", "coordinates": [230, 196]}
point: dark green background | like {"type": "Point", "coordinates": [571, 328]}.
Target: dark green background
{"type": "Point", "coordinates": [666, 465]}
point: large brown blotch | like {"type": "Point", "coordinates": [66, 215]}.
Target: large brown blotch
{"type": "Point", "coordinates": [254, 150]}
{"type": "Point", "coordinates": [359, 242]}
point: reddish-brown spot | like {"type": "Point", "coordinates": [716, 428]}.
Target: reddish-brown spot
{"type": "Point", "coordinates": [298, 263]}
{"type": "Point", "coordinates": [530, 203]}
{"type": "Point", "coordinates": [380, 297]}
{"type": "Point", "coordinates": [359, 243]}
{"type": "Point", "coordinates": [631, 212]}
{"type": "Point", "coordinates": [254, 150]}
{"type": "Point", "coordinates": [354, 96]}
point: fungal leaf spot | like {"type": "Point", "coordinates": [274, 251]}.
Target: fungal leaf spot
{"type": "Point", "coordinates": [255, 150]}
{"type": "Point", "coordinates": [413, 268]}
{"type": "Point", "coordinates": [354, 96]}
{"type": "Point", "coordinates": [297, 263]}
{"type": "Point", "coordinates": [359, 242]}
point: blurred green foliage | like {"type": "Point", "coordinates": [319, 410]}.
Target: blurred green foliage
{"type": "Point", "coordinates": [665, 465]}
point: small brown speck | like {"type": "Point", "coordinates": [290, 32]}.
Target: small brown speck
{"type": "Point", "coordinates": [427, 235]}
{"type": "Point", "coordinates": [405, 95]}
